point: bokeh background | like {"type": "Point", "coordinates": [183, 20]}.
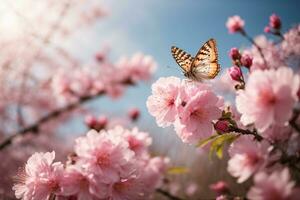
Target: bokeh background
{"type": "Point", "coordinates": [152, 27]}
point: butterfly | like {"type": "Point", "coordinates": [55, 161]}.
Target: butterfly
{"type": "Point", "coordinates": [203, 66]}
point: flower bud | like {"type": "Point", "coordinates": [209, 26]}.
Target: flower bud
{"type": "Point", "coordinates": [134, 114]}
{"type": "Point", "coordinates": [101, 122]}
{"type": "Point", "coordinates": [221, 126]}
{"type": "Point", "coordinates": [90, 121]}
{"type": "Point", "coordinates": [235, 73]}
{"type": "Point", "coordinates": [234, 54]}
{"type": "Point", "coordinates": [220, 187]}
{"type": "Point", "coordinates": [275, 22]}
{"type": "Point", "coordinates": [100, 57]}
{"type": "Point", "coordinates": [235, 24]}
{"type": "Point", "coordinates": [267, 29]}
{"type": "Point", "coordinates": [246, 60]}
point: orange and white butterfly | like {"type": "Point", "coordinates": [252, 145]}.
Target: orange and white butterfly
{"type": "Point", "coordinates": [203, 66]}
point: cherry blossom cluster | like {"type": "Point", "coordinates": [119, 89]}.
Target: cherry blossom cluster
{"type": "Point", "coordinates": [110, 164]}
{"type": "Point", "coordinates": [261, 124]}
{"type": "Point", "coordinates": [189, 106]}
{"type": "Point", "coordinates": [103, 77]}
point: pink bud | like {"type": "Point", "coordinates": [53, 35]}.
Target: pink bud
{"type": "Point", "coordinates": [267, 29]}
{"type": "Point", "coordinates": [235, 24]}
{"type": "Point", "coordinates": [275, 21]}
{"type": "Point", "coordinates": [90, 121]}
{"type": "Point", "coordinates": [100, 57]}
{"type": "Point", "coordinates": [221, 126]}
{"type": "Point", "coordinates": [134, 114]}
{"type": "Point", "coordinates": [220, 187]}
{"type": "Point", "coordinates": [102, 122]}
{"type": "Point", "coordinates": [234, 53]}
{"type": "Point", "coordinates": [246, 60]}
{"type": "Point", "coordinates": [235, 73]}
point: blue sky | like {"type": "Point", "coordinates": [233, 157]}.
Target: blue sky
{"type": "Point", "coordinates": [153, 26]}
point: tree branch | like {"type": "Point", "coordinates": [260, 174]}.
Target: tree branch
{"type": "Point", "coordinates": [54, 114]}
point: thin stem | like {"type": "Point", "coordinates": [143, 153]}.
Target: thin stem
{"type": "Point", "coordinates": [167, 194]}
{"type": "Point", "coordinates": [256, 45]}
{"type": "Point", "coordinates": [247, 132]}
{"type": "Point", "coordinates": [34, 128]}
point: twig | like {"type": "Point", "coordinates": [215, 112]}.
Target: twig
{"type": "Point", "coordinates": [167, 194]}
{"type": "Point", "coordinates": [293, 120]}
{"type": "Point", "coordinates": [247, 132]}
{"type": "Point", "coordinates": [256, 45]}
{"type": "Point", "coordinates": [54, 114]}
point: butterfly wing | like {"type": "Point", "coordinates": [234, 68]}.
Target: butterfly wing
{"type": "Point", "coordinates": [183, 59]}
{"type": "Point", "coordinates": [205, 65]}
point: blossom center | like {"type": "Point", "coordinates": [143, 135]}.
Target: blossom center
{"type": "Point", "coordinates": [199, 114]}
{"type": "Point", "coordinates": [134, 144]}
{"type": "Point", "coordinates": [170, 102]}
{"type": "Point", "coordinates": [103, 160]}
{"type": "Point", "coordinates": [267, 97]}
{"type": "Point", "coordinates": [53, 185]}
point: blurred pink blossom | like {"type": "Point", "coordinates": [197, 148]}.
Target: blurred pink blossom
{"type": "Point", "coordinates": [291, 43]}
{"type": "Point", "coordinates": [78, 183]}
{"type": "Point", "coordinates": [191, 189]}
{"type": "Point", "coordinates": [41, 177]}
{"type": "Point", "coordinates": [235, 24]}
{"type": "Point", "coordinates": [247, 157]}
{"type": "Point", "coordinates": [277, 185]}
{"type": "Point", "coordinates": [138, 67]}
{"type": "Point", "coordinates": [268, 98]}
{"type": "Point", "coordinates": [220, 187]}
{"type": "Point", "coordinates": [271, 52]}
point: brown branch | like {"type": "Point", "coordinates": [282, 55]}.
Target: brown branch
{"type": "Point", "coordinates": [246, 132]}
{"type": "Point", "coordinates": [167, 194]}
{"type": "Point", "coordinates": [293, 120]}
{"type": "Point", "coordinates": [54, 114]}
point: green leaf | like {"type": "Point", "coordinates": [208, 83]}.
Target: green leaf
{"type": "Point", "coordinates": [178, 170]}
{"type": "Point", "coordinates": [218, 144]}
{"type": "Point", "coordinates": [205, 141]}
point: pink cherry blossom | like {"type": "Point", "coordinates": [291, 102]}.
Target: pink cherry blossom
{"type": "Point", "coordinates": [268, 98]}
{"type": "Point", "coordinates": [105, 155]}
{"type": "Point", "coordinates": [235, 24]}
{"type": "Point", "coordinates": [79, 183]}
{"type": "Point", "coordinates": [127, 189]}
{"type": "Point", "coordinates": [277, 133]}
{"type": "Point", "coordinates": [138, 141]}
{"type": "Point", "coordinates": [277, 185]}
{"type": "Point", "coordinates": [291, 44]}
{"type": "Point", "coordinates": [224, 84]}
{"type": "Point", "coordinates": [138, 67]}
{"type": "Point", "coordinates": [161, 104]}
{"type": "Point", "coordinates": [41, 178]}
{"type": "Point", "coordinates": [196, 115]}
{"type": "Point", "coordinates": [271, 53]}
{"type": "Point", "coordinates": [247, 157]}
